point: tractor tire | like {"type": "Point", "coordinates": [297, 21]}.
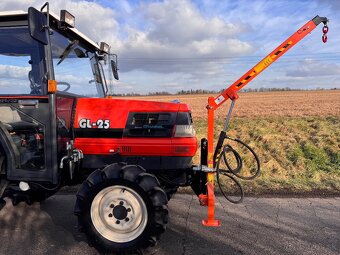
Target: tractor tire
{"type": "Point", "coordinates": [121, 208]}
{"type": "Point", "coordinates": [2, 164]}
{"type": "Point", "coordinates": [3, 182]}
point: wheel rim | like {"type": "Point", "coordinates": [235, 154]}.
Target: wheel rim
{"type": "Point", "coordinates": [119, 214]}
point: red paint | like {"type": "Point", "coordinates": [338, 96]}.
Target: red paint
{"type": "Point", "coordinates": [117, 111]}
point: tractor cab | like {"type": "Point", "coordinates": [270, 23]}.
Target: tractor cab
{"type": "Point", "coordinates": [45, 64]}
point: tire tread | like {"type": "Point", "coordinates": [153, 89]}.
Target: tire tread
{"type": "Point", "coordinates": [135, 175]}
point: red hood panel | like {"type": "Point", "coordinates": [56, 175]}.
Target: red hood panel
{"type": "Point", "coordinates": [110, 115]}
{"type": "Point", "coordinates": [117, 110]}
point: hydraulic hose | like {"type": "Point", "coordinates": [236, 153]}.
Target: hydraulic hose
{"type": "Point", "coordinates": [231, 172]}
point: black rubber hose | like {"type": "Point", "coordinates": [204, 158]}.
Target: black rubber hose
{"type": "Point", "coordinates": [237, 173]}
{"type": "Point", "coordinates": [227, 174]}
{"type": "Point", "coordinates": [238, 159]}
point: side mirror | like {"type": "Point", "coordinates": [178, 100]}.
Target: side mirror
{"type": "Point", "coordinates": [37, 25]}
{"type": "Point", "coordinates": [114, 69]}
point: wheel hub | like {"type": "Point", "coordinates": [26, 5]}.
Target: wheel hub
{"type": "Point", "coordinates": [120, 212]}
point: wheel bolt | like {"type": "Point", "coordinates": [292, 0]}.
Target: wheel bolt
{"type": "Point", "coordinates": [121, 202]}
{"type": "Point", "coordinates": [117, 222]}
{"type": "Point", "coordinates": [112, 205]}
{"type": "Point", "coordinates": [128, 210]}
{"type": "Point", "coordinates": [127, 219]}
{"type": "Point", "coordinates": [110, 215]}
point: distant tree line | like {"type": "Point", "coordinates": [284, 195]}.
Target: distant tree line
{"type": "Point", "coordinates": [204, 91]}
{"type": "Point", "coordinates": [281, 89]}
{"type": "Point", "coordinates": [262, 89]}
{"type": "Point", "coordinates": [195, 91]}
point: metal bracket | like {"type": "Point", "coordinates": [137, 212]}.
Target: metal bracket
{"type": "Point", "coordinates": [203, 168]}
{"type": "Point", "coordinates": [73, 156]}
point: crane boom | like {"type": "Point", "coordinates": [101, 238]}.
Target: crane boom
{"type": "Point", "coordinates": [266, 61]}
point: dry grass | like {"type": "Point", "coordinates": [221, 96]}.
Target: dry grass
{"type": "Point", "coordinates": [297, 154]}
{"type": "Point", "coordinates": [266, 104]}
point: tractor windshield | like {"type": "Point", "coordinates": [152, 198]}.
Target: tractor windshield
{"type": "Point", "coordinates": [77, 69]}
{"type": "Point", "coordinates": [22, 67]}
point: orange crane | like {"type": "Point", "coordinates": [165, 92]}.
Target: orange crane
{"type": "Point", "coordinates": [231, 93]}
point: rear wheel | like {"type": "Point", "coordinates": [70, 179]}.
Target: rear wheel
{"type": "Point", "coordinates": [121, 208]}
{"type": "Point", "coordinates": [2, 164]}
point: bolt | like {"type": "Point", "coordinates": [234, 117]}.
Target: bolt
{"type": "Point", "coordinates": [117, 222]}
{"type": "Point", "coordinates": [112, 205]}
{"type": "Point", "coordinates": [127, 219]}
{"type": "Point", "coordinates": [121, 202]}
{"type": "Point", "coordinates": [110, 215]}
{"type": "Point", "coordinates": [128, 210]}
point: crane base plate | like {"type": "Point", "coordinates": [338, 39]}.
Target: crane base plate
{"type": "Point", "coordinates": [211, 223]}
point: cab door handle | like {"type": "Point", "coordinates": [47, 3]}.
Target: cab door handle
{"type": "Point", "coordinates": [31, 103]}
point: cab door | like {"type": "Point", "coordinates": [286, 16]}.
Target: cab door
{"type": "Point", "coordinates": [29, 133]}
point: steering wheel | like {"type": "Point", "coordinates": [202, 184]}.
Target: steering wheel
{"type": "Point", "coordinates": [68, 86]}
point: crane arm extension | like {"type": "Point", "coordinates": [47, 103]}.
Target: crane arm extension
{"type": "Point", "coordinates": [230, 92]}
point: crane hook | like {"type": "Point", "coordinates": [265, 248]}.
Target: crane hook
{"type": "Point", "coordinates": [325, 31]}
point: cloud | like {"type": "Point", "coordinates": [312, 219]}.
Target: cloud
{"type": "Point", "coordinates": [180, 22]}
{"type": "Point", "coordinates": [177, 32]}
{"type": "Point", "coordinates": [334, 4]}
{"type": "Point", "coordinates": [14, 79]}
{"type": "Point", "coordinates": [313, 68]}
{"type": "Point", "coordinates": [171, 82]}
{"type": "Point", "coordinates": [14, 72]}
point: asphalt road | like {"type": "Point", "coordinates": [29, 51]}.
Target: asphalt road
{"type": "Point", "coordinates": [258, 226]}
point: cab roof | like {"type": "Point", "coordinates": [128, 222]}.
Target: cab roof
{"type": "Point", "coordinates": [15, 18]}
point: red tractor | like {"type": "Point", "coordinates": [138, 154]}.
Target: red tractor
{"type": "Point", "coordinates": [59, 126]}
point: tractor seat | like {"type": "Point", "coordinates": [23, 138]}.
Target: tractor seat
{"type": "Point", "coordinates": [13, 122]}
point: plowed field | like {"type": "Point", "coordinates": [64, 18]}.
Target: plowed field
{"type": "Point", "coordinates": [261, 104]}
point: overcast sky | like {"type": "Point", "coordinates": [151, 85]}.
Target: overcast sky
{"type": "Point", "coordinates": [175, 45]}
